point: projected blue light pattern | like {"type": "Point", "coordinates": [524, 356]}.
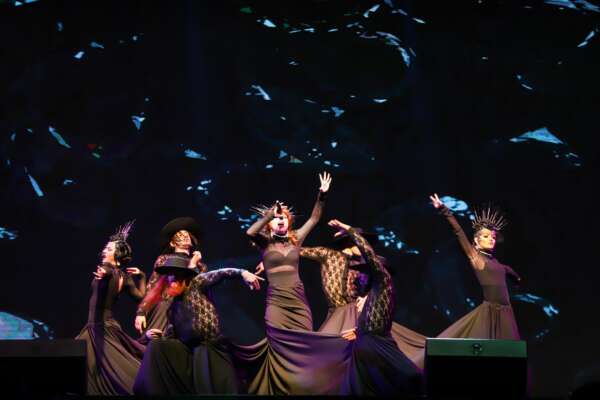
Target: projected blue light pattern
{"type": "Point", "coordinates": [579, 5]}
{"type": "Point", "coordinates": [58, 137]}
{"type": "Point", "coordinates": [541, 135]}
{"type": "Point", "coordinates": [13, 327]}
{"type": "Point", "coordinates": [560, 151]}
{"type": "Point", "coordinates": [457, 206]}
{"type": "Point", "coordinates": [389, 239]}
{"type": "Point", "coordinates": [189, 153]}
{"type": "Point", "coordinates": [7, 234]}
{"type": "Point", "coordinates": [137, 121]}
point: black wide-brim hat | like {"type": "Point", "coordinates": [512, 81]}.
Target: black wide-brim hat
{"type": "Point", "coordinates": [178, 224]}
{"type": "Point", "coordinates": [344, 240]}
{"type": "Point", "coordinates": [176, 263]}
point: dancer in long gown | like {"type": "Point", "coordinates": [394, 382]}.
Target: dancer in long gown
{"type": "Point", "coordinates": [179, 236]}
{"type": "Point", "coordinates": [344, 286]}
{"type": "Point", "coordinates": [192, 357]}
{"type": "Point", "coordinates": [113, 358]}
{"type": "Point", "coordinates": [377, 365]}
{"type": "Point", "coordinates": [292, 359]}
{"type": "Point", "coordinates": [494, 317]}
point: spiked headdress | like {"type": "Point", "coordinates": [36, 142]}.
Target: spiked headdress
{"type": "Point", "coordinates": [489, 218]}
{"type": "Point", "coordinates": [122, 232]}
{"type": "Point", "coordinates": [262, 209]}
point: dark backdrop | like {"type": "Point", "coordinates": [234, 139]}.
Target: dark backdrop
{"type": "Point", "coordinates": [268, 94]}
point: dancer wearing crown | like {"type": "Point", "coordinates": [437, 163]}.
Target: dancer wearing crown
{"type": "Point", "coordinates": [494, 318]}
{"type": "Point", "coordinates": [113, 358]}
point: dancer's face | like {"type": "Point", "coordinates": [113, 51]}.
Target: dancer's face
{"type": "Point", "coordinates": [182, 240]}
{"type": "Point", "coordinates": [108, 253]}
{"type": "Point", "coordinates": [485, 239]}
{"type": "Point", "coordinates": [279, 224]}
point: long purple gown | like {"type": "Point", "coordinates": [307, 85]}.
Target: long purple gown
{"type": "Point", "coordinates": [193, 357]}
{"type": "Point", "coordinates": [494, 317]}
{"type": "Point", "coordinates": [342, 287]}
{"type": "Point", "coordinates": [113, 358]}
{"type": "Point", "coordinates": [377, 366]}
{"type": "Point", "coordinates": [292, 359]}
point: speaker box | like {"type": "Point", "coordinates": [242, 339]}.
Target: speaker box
{"type": "Point", "coordinates": [475, 368]}
{"type": "Point", "coordinates": [43, 367]}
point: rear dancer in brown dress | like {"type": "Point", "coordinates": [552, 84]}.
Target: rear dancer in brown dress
{"type": "Point", "coordinates": [494, 318]}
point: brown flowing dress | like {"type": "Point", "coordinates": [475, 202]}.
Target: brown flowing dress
{"type": "Point", "coordinates": [113, 358]}
{"type": "Point", "coordinates": [342, 288]}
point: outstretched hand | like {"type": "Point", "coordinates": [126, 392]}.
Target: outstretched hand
{"type": "Point", "coordinates": [251, 280]}
{"type": "Point", "coordinates": [100, 273]}
{"type": "Point", "coordinates": [435, 200]}
{"type": "Point", "coordinates": [325, 179]}
{"type": "Point", "coordinates": [340, 226]}
{"type": "Point", "coordinates": [133, 271]}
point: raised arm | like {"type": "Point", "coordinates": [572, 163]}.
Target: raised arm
{"type": "Point", "coordinates": [317, 211]}
{"type": "Point", "coordinates": [477, 261]}
{"type": "Point", "coordinates": [255, 231]}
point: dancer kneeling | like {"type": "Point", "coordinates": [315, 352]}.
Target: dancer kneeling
{"type": "Point", "coordinates": [192, 357]}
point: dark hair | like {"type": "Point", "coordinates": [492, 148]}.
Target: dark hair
{"type": "Point", "coordinates": [123, 252]}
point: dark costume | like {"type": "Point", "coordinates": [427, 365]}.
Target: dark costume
{"type": "Point", "coordinates": [291, 359]}
{"type": "Point", "coordinates": [113, 358]}
{"type": "Point", "coordinates": [494, 318]}
{"type": "Point", "coordinates": [156, 317]}
{"type": "Point", "coordinates": [192, 357]}
{"type": "Point", "coordinates": [342, 286]}
{"type": "Point", "coordinates": [377, 366]}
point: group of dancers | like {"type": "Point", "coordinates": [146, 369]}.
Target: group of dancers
{"type": "Point", "coordinates": [358, 349]}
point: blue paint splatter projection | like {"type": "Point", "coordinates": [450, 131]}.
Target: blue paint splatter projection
{"type": "Point", "coordinates": [13, 327]}
{"type": "Point", "coordinates": [8, 234]}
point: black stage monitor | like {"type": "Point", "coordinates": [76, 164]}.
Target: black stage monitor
{"type": "Point", "coordinates": [476, 368]}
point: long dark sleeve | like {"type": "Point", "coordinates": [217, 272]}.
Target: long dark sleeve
{"type": "Point", "coordinates": [378, 311]}
{"type": "Point", "coordinates": [255, 231]}
{"type": "Point", "coordinates": [314, 253]}
{"type": "Point", "coordinates": [211, 278]}
{"type": "Point", "coordinates": [513, 274]}
{"type": "Point", "coordinates": [315, 216]}
{"type": "Point", "coordinates": [136, 291]}
{"type": "Point", "coordinates": [474, 257]}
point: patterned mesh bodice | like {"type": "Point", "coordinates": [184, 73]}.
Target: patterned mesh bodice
{"type": "Point", "coordinates": [193, 314]}
{"type": "Point", "coordinates": [378, 310]}
{"type": "Point", "coordinates": [339, 282]}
